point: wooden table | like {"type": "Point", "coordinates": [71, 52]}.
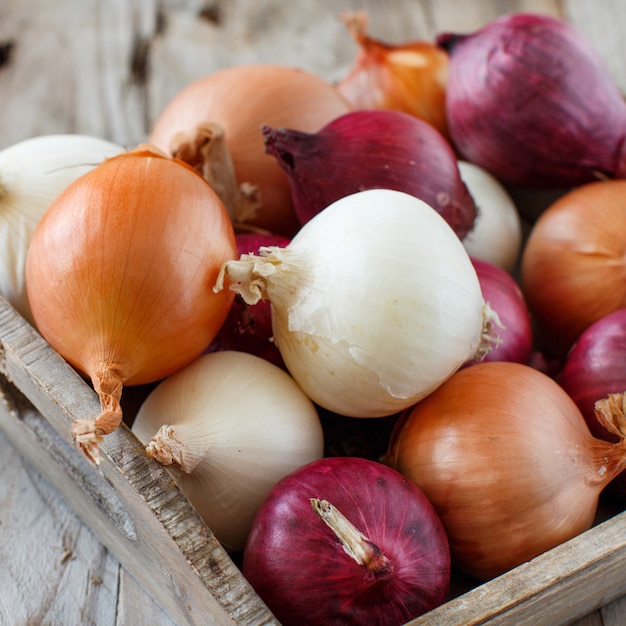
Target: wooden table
{"type": "Point", "coordinates": [107, 69]}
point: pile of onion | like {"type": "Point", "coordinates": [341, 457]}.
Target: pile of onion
{"type": "Point", "coordinates": [573, 263]}
{"type": "Point", "coordinates": [347, 541]}
{"type": "Point", "coordinates": [119, 276]}
{"type": "Point", "coordinates": [240, 100]}
{"type": "Point", "coordinates": [410, 76]}
{"type": "Point", "coordinates": [508, 462]}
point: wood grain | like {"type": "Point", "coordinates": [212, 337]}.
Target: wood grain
{"type": "Point", "coordinates": [107, 68]}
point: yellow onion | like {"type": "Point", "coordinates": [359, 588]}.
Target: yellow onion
{"type": "Point", "coordinates": [410, 77]}
{"type": "Point", "coordinates": [508, 462]}
{"type": "Point", "coordinates": [573, 266]}
{"type": "Point", "coordinates": [119, 276]}
{"type": "Point", "coordinates": [241, 99]}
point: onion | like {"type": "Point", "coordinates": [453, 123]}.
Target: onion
{"type": "Point", "coordinates": [496, 236]}
{"type": "Point", "coordinates": [241, 99]}
{"type": "Point", "coordinates": [508, 462]}
{"type": "Point", "coordinates": [367, 150]}
{"type": "Point", "coordinates": [410, 77]}
{"type": "Point", "coordinates": [596, 367]}
{"type": "Point", "coordinates": [228, 443]}
{"type": "Point", "coordinates": [119, 275]}
{"type": "Point", "coordinates": [513, 326]}
{"type": "Point", "coordinates": [529, 100]}
{"type": "Point", "coordinates": [248, 328]}
{"type": "Point", "coordinates": [33, 173]}
{"type": "Point", "coordinates": [574, 263]}
{"type": "Point", "coordinates": [347, 541]}
{"type": "Point", "coordinates": [375, 302]}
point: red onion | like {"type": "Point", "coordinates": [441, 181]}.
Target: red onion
{"type": "Point", "coordinates": [304, 572]}
{"type": "Point", "coordinates": [248, 327]}
{"type": "Point", "coordinates": [596, 367]}
{"type": "Point", "coordinates": [372, 150]}
{"type": "Point", "coordinates": [529, 100]}
{"type": "Point", "coordinates": [505, 298]}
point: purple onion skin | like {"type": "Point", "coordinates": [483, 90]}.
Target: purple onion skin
{"type": "Point", "coordinates": [529, 100]}
{"type": "Point", "coordinates": [505, 297]}
{"type": "Point", "coordinates": [372, 150]}
{"type": "Point", "coordinates": [297, 566]}
{"type": "Point", "coordinates": [594, 368]}
{"type": "Point", "coordinates": [248, 328]}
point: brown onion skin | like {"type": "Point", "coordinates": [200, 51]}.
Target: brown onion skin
{"type": "Point", "coordinates": [529, 100]}
{"type": "Point", "coordinates": [299, 568]}
{"type": "Point", "coordinates": [410, 76]}
{"type": "Point", "coordinates": [573, 266]}
{"type": "Point", "coordinates": [368, 150]}
{"type": "Point", "coordinates": [508, 462]}
{"type": "Point", "coordinates": [121, 268]}
{"type": "Point", "coordinates": [242, 99]}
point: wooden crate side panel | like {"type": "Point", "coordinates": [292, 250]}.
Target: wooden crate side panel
{"type": "Point", "coordinates": [554, 589]}
{"type": "Point", "coordinates": [130, 501]}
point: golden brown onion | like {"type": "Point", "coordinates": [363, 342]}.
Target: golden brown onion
{"type": "Point", "coordinates": [573, 267]}
{"type": "Point", "coordinates": [120, 274]}
{"type": "Point", "coordinates": [242, 99]}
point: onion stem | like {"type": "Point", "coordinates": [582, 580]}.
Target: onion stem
{"type": "Point", "coordinates": [206, 151]}
{"type": "Point", "coordinates": [353, 541]}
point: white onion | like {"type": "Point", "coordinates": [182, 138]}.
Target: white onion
{"type": "Point", "coordinates": [33, 173]}
{"type": "Point", "coordinates": [229, 426]}
{"type": "Point", "coordinates": [497, 233]}
{"type": "Point", "coordinates": [375, 302]}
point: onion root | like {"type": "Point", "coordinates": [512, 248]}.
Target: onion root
{"type": "Point", "coordinates": [88, 433]}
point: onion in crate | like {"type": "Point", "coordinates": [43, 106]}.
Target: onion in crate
{"type": "Point", "coordinates": [229, 426]}
{"type": "Point", "coordinates": [345, 540]}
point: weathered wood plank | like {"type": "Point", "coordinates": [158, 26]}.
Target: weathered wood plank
{"type": "Point", "coordinates": [130, 502]}
{"type": "Point", "coordinates": [52, 570]}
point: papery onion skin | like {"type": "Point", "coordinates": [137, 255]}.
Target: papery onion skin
{"type": "Point", "coordinates": [242, 99]}
{"type": "Point", "coordinates": [120, 269]}
{"type": "Point", "coordinates": [529, 100]}
{"type": "Point", "coordinates": [410, 77]}
{"type": "Point", "coordinates": [374, 302]}
{"type": "Point", "coordinates": [33, 172]}
{"type": "Point", "coordinates": [573, 266]}
{"type": "Point", "coordinates": [513, 328]}
{"type": "Point", "coordinates": [299, 568]}
{"type": "Point", "coordinates": [508, 462]}
{"type": "Point", "coordinates": [239, 424]}
{"type": "Point", "coordinates": [496, 235]}
{"type": "Point", "coordinates": [372, 150]}
{"type": "Point", "coordinates": [249, 327]}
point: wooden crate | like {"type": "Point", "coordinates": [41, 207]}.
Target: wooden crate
{"type": "Point", "coordinates": [136, 510]}
{"type": "Point", "coordinates": [130, 502]}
